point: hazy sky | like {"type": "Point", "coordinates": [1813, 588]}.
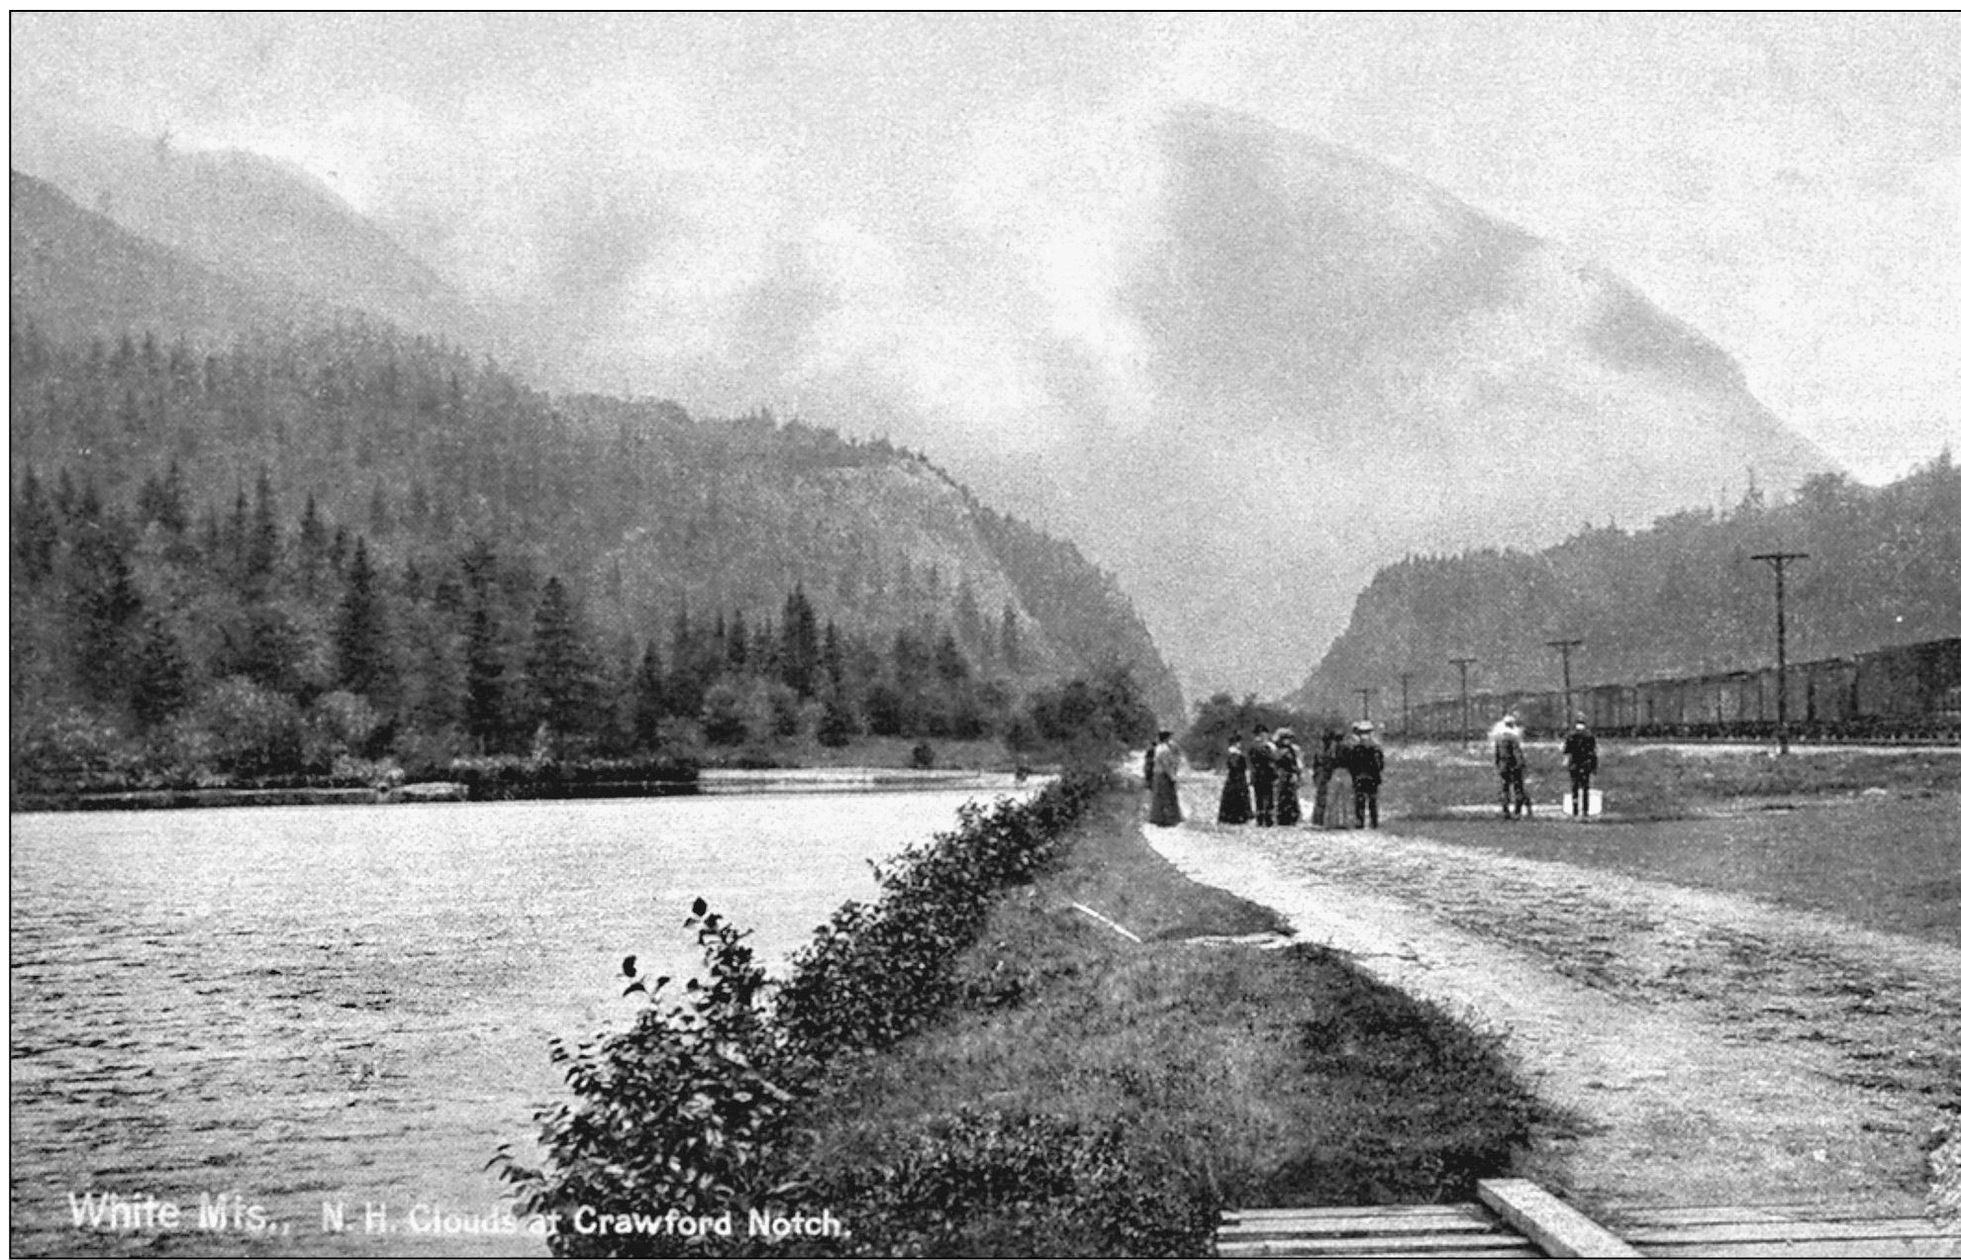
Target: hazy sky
{"type": "Point", "coordinates": [1791, 185]}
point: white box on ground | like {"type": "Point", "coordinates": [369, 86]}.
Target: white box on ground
{"type": "Point", "coordinates": [1596, 803]}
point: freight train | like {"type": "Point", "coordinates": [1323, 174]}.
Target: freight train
{"type": "Point", "coordinates": [1899, 693]}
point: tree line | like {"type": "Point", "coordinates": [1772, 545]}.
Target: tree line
{"type": "Point", "coordinates": [158, 644]}
{"type": "Point", "coordinates": [635, 503]}
{"type": "Point", "coordinates": [1680, 598]}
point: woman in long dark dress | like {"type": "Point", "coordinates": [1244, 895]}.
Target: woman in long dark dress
{"type": "Point", "coordinates": [1236, 801]}
{"type": "Point", "coordinates": [1341, 788]}
{"type": "Point", "coordinates": [1287, 783]}
{"type": "Point", "coordinates": [1324, 770]}
{"type": "Point", "coordinates": [1165, 811]}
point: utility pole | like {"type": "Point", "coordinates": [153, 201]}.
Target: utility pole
{"type": "Point", "coordinates": [1405, 677]}
{"type": "Point", "coordinates": [1777, 560]}
{"type": "Point", "coordinates": [1463, 664]}
{"type": "Point", "coordinates": [1365, 693]}
{"type": "Point", "coordinates": [1566, 647]}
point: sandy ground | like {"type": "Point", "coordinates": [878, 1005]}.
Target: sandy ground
{"type": "Point", "coordinates": [1704, 1048]}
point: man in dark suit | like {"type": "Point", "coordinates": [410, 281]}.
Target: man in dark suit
{"type": "Point", "coordinates": [1582, 753]}
{"type": "Point", "coordinates": [1365, 768]}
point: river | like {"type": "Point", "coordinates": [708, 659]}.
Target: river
{"type": "Point", "coordinates": [351, 1005]}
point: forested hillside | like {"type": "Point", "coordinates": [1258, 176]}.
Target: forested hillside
{"type": "Point", "coordinates": [1680, 598]}
{"type": "Point", "coordinates": [347, 542]}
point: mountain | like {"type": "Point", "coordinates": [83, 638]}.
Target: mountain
{"type": "Point", "coordinates": [1682, 598]}
{"type": "Point", "coordinates": [256, 220]}
{"type": "Point", "coordinates": [1332, 363]}
{"type": "Point", "coordinates": [417, 449]}
{"type": "Point", "coordinates": [1242, 368]}
{"type": "Point", "coordinates": [79, 275]}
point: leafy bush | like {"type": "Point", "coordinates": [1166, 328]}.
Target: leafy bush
{"type": "Point", "coordinates": [70, 749]}
{"type": "Point", "coordinates": [676, 1113]}
{"type": "Point", "coordinates": [241, 729]}
{"type": "Point", "coordinates": [340, 724]}
{"type": "Point", "coordinates": [693, 1107]}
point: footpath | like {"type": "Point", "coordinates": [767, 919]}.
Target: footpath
{"type": "Point", "coordinates": [1701, 1048]}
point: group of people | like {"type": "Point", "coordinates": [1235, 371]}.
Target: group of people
{"type": "Point", "coordinates": [1263, 779]}
{"type": "Point", "coordinates": [1580, 752]}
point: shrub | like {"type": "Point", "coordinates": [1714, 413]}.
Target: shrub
{"type": "Point", "coordinates": [241, 729]}
{"type": "Point", "coordinates": [693, 1107]}
{"type": "Point", "coordinates": [70, 749]}
{"type": "Point", "coordinates": [988, 1183]}
{"type": "Point", "coordinates": [675, 1113]}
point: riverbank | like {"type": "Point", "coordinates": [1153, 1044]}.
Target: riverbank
{"type": "Point", "coordinates": [868, 765]}
{"type": "Point", "coordinates": [1174, 1031]}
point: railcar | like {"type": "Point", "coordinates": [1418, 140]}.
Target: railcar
{"type": "Point", "coordinates": [1907, 692]}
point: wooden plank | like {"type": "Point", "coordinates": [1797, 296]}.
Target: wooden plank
{"type": "Point", "coordinates": [1442, 1245]}
{"type": "Point", "coordinates": [1385, 1237]}
{"type": "Point", "coordinates": [1474, 1210]}
{"type": "Point", "coordinates": [1779, 1231]}
{"type": "Point", "coordinates": [1250, 1250]}
{"type": "Point", "coordinates": [1556, 1228]}
{"type": "Point", "coordinates": [1666, 1217]}
{"type": "Point", "coordinates": [1834, 1249]}
{"type": "Point", "coordinates": [1358, 1223]}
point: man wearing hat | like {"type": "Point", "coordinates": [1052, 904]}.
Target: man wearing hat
{"type": "Point", "coordinates": [1508, 750]}
{"type": "Point", "coordinates": [1582, 754]}
{"type": "Point", "coordinates": [1365, 768]}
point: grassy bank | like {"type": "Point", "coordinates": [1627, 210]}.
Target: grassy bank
{"type": "Point", "coordinates": [1868, 836]}
{"type": "Point", "coordinates": [1657, 782]}
{"type": "Point", "coordinates": [976, 1065]}
{"type": "Point", "coordinates": [1210, 1074]}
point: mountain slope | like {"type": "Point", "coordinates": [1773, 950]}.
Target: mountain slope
{"type": "Point", "coordinates": [79, 275]}
{"type": "Point", "coordinates": [638, 505]}
{"type": "Point", "coordinates": [256, 220]}
{"type": "Point", "coordinates": [1345, 364]}
{"type": "Point", "coordinates": [1682, 598]}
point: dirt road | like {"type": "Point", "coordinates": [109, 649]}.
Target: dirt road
{"type": "Point", "coordinates": [1706, 1048]}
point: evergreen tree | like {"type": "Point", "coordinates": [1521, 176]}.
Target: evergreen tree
{"type": "Point", "coordinates": [967, 614]}
{"type": "Point", "coordinates": [687, 682]}
{"type": "Point", "coordinates": [649, 699]}
{"type": "Point", "coordinates": [833, 655]}
{"type": "Point", "coordinates": [948, 661]}
{"type": "Point", "coordinates": [261, 547]}
{"type": "Point", "coordinates": [799, 657]}
{"type": "Point", "coordinates": [311, 553]}
{"type": "Point", "coordinates": [561, 673]}
{"type": "Point", "coordinates": [484, 685]}
{"type": "Point", "coordinates": [160, 676]}
{"type": "Point", "coordinates": [37, 530]}
{"type": "Point", "coordinates": [1010, 637]}
{"type": "Point", "coordinates": [738, 644]}
{"type": "Point", "coordinates": [104, 604]}
{"type": "Point", "coordinates": [361, 634]}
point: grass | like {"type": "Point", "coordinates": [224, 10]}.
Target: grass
{"type": "Point", "coordinates": [1658, 782]}
{"type": "Point", "coordinates": [1870, 837]}
{"type": "Point", "coordinates": [1270, 1077]}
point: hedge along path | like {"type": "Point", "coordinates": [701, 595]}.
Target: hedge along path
{"type": "Point", "coordinates": [1709, 1048]}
